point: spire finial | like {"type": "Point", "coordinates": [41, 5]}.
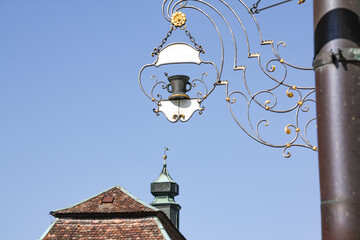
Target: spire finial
{"type": "Point", "coordinates": [165, 156]}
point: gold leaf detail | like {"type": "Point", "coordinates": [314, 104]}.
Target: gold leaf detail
{"type": "Point", "coordinates": [272, 68]}
{"type": "Point", "coordinates": [282, 60]}
{"type": "Point", "coordinates": [289, 94]}
{"type": "Point", "coordinates": [297, 130]}
{"type": "Point", "coordinates": [300, 103]}
{"type": "Point", "coordinates": [266, 104]}
{"type": "Point", "coordinates": [287, 129]}
{"type": "Point", "coordinates": [314, 148]}
{"type": "Point", "coordinates": [288, 145]}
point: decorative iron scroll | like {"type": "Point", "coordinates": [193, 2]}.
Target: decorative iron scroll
{"type": "Point", "coordinates": [305, 96]}
{"type": "Point", "coordinates": [255, 7]}
{"type": "Point", "coordinates": [178, 53]}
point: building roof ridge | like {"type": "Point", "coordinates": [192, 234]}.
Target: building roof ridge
{"type": "Point", "coordinates": [48, 229]}
{"type": "Point", "coordinates": [138, 199]}
{"type": "Point", "coordinates": [162, 228]}
{"type": "Point", "coordinates": [116, 200]}
{"type": "Point", "coordinates": [87, 199]}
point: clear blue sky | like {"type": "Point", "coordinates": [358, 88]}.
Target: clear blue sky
{"type": "Point", "coordinates": [74, 121]}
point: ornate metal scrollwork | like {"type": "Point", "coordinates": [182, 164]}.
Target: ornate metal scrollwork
{"type": "Point", "coordinates": [255, 7]}
{"type": "Point", "coordinates": [178, 53]}
{"type": "Point", "coordinates": [264, 99]}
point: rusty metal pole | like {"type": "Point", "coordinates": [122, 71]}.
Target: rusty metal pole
{"type": "Point", "coordinates": [337, 74]}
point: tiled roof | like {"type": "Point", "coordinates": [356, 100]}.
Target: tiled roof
{"type": "Point", "coordinates": [112, 214]}
{"type": "Point", "coordinates": [114, 200]}
{"type": "Point", "coordinates": [138, 228]}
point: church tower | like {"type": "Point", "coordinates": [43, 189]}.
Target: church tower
{"type": "Point", "coordinates": [164, 188]}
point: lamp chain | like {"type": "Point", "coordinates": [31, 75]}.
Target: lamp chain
{"type": "Point", "coordinates": [168, 34]}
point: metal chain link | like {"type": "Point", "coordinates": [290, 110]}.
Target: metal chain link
{"type": "Point", "coordinates": [158, 49]}
{"type": "Point", "coordinates": [192, 39]}
{"type": "Point", "coordinates": [255, 9]}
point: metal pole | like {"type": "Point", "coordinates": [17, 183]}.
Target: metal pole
{"type": "Point", "coordinates": [337, 73]}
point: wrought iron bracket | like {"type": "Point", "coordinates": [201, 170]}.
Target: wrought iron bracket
{"type": "Point", "coordinates": [255, 9]}
{"type": "Point", "coordinates": [343, 55]}
{"type": "Point", "coordinates": [303, 97]}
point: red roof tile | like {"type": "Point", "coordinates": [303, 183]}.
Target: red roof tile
{"type": "Point", "coordinates": [113, 214]}
{"type": "Point", "coordinates": [114, 200]}
{"type": "Point", "coordinates": [138, 228]}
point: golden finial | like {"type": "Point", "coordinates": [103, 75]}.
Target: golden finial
{"type": "Point", "coordinates": [165, 156]}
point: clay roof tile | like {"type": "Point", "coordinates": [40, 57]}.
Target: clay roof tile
{"type": "Point", "coordinates": [113, 200]}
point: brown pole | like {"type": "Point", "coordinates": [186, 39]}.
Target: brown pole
{"type": "Point", "coordinates": [337, 74]}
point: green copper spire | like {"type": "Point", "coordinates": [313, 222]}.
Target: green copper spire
{"type": "Point", "coordinates": [164, 176]}
{"type": "Point", "coordinates": [164, 188]}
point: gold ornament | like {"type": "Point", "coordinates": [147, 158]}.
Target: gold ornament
{"type": "Point", "coordinates": [287, 129]}
{"type": "Point", "coordinates": [289, 94]}
{"type": "Point", "coordinates": [266, 104]}
{"type": "Point", "coordinates": [178, 19]}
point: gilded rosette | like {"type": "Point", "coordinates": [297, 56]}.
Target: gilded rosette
{"type": "Point", "coordinates": [178, 19]}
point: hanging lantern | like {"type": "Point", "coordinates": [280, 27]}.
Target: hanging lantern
{"type": "Point", "coordinates": [183, 99]}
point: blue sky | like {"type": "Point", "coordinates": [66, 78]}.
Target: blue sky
{"type": "Point", "coordinates": [74, 121]}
